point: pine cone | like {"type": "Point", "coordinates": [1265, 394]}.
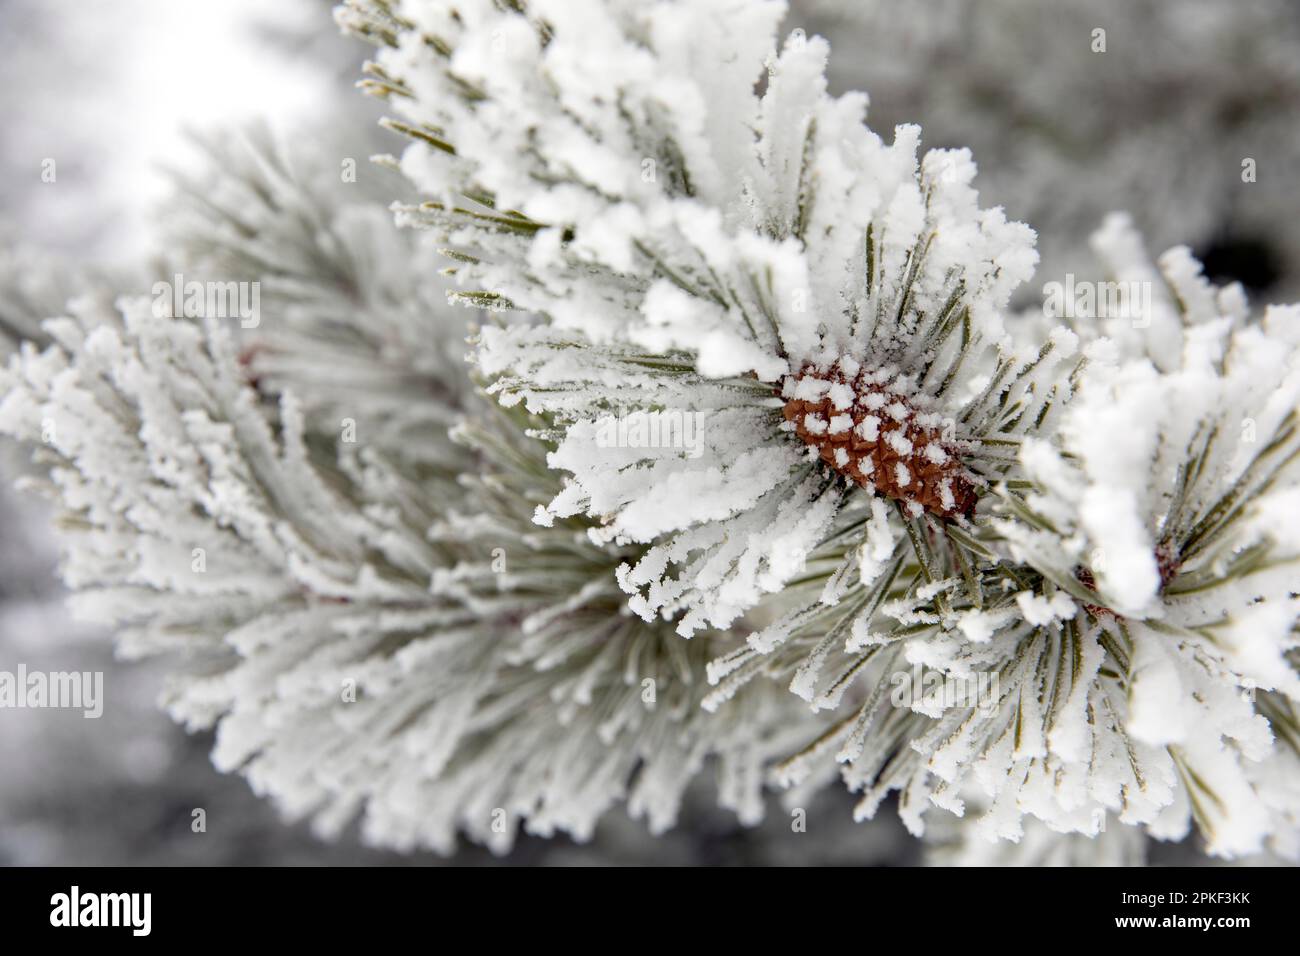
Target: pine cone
{"type": "Point", "coordinates": [871, 433]}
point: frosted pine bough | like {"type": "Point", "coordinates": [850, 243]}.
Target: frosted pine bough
{"type": "Point", "coordinates": [1144, 639]}
{"type": "Point", "coordinates": [711, 284]}
{"type": "Point", "coordinates": [1145, 647]}
{"type": "Point", "coordinates": [381, 624]}
{"type": "Point", "coordinates": [369, 630]}
{"type": "Point", "coordinates": [359, 332]}
{"type": "Point", "coordinates": [1168, 512]}
{"type": "Point", "coordinates": [825, 252]}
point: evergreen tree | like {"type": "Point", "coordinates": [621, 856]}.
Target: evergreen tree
{"type": "Point", "coordinates": [753, 466]}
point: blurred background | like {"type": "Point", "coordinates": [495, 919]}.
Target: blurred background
{"type": "Point", "coordinates": [1155, 115]}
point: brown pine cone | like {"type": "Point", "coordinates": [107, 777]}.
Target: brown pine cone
{"type": "Point", "coordinates": [875, 436]}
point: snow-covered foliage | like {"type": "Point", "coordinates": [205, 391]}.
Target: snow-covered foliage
{"type": "Point", "coordinates": [34, 285]}
{"type": "Point", "coordinates": [370, 630]}
{"type": "Point", "coordinates": [1132, 655]}
{"type": "Point", "coordinates": [707, 251]}
{"type": "Point", "coordinates": [354, 323]}
{"type": "Point", "coordinates": [1167, 507]}
{"type": "Point", "coordinates": [955, 843]}
{"type": "Point", "coordinates": [742, 371]}
{"type": "Point", "coordinates": [698, 229]}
